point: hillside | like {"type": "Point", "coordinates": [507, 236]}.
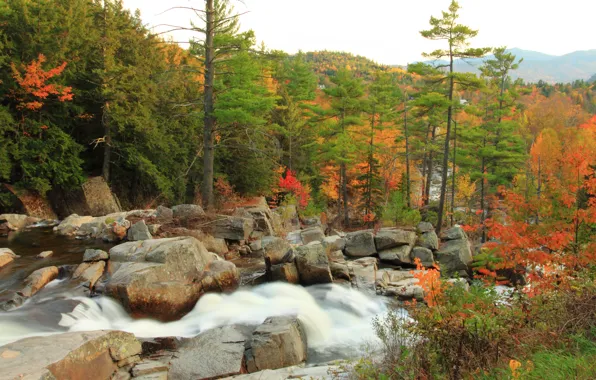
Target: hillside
{"type": "Point", "coordinates": [326, 63]}
{"type": "Point", "coordinates": [579, 65]}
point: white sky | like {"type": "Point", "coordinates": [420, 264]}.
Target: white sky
{"type": "Point", "coordinates": [387, 30]}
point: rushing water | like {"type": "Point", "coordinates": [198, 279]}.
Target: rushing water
{"type": "Point", "coordinates": [337, 320]}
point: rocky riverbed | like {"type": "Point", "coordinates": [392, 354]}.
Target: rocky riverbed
{"type": "Point", "coordinates": [177, 293]}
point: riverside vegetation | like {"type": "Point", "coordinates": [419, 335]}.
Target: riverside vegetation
{"type": "Point", "coordinates": [474, 192]}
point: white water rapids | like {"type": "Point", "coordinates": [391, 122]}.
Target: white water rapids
{"type": "Point", "coordinates": [334, 317]}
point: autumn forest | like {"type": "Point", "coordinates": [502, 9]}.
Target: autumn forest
{"type": "Point", "coordinates": [89, 91]}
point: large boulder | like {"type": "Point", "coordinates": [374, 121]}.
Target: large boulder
{"type": "Point", "coordinates": [454, 233]}
{"type": "Point", "coordinates": [425, 227]}
{"type": "Point", "coordinates": [71, 224]}
{"type": "Point", "coordinates": [233, 228]}
{"type": "Point", "coordinates": [313, 264]}
{"type": "Point", "coordinates": [92, 355]}
{"type": "Point", "coordinates": [387, 238]}
{"type": "Point", "coordinates": [312, 234]}
{"type": "Point", "coordinates": [38, 279]}
{"type": "Point", "coordinates": [92, 255]}
{"type": "Point", "coordinates": [425, 256]}
{"type": "Point", "coordinates": [455, 254]}
{"type": "Point", "coordinates": [277, 343]}
{"type": "Point", "coordinates": [160, 278]}
{"type": "Point", "coordinates": [164, 214]}
{"type": "Point", "coordinates": [286, 272]}
{"type": "Point", "coordinates": [187, 212]}
{"type": "Point", "coordinates": [139, 231]}
{"type": "Point", "coordinates": [7, 256]}
{"type": "Point", "coordinates": [220, 276]}
{"type": "Point", "coordinates": [334, 243]}
{"type": "Point", "coordinates": [360, 244]}
{"type": "Point", "coordinates": [401, 284]}
{"type": "Point", "coordinates": [429, 240]}
{"type": "Point", "coordinates": [89, 273]}
{"type": "Point", "coordinates": [213, 354]}
{"type": "Point", "coordinates": [397, 256]}
{"type": "Point", "coordinates": [17, 221]}
{"type": "Point", "coordinates": [276, 250]}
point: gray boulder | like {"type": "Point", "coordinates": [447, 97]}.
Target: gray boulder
{"type": "Point", "coordinates": [390, 238]}
{"type": "Point", "coordinates": [277, 343]}
{"type": "Point", "coordinates": [425, 227]}
{"type": "Point", "coordinates": [18, 221]}
{"type": "Point", "coordinates": [187, 212]}
{"type": "Point", "coordinates": [429, 240]}
{"type": "Point", "coordinates": [233, 228]}
{"type": "Point", "coordinates": [139, 231]}
{"type": "Point", "coordinates": [334, 243]}
{"type": "Point", "coordinates": [360, 244]}
{"type": "Point", "coordinates": [276, 250]}
{"type": "Point", "coordinates": [92, 355]}
{"type": "Point", "coordinates": [164, 214]}
{"type": "Point", "coordinates": [91, 255]}
{"type": "Point", "coordinates": [340, 271]}
{"type": "Point", "coordinates": [425, 255]}
{"type": "Point", "coordinates": [312, 264]}
{"type": "Point", "coordinates": [454, 256]}
{"type": "Point", "coordinates": [397, 256]}
{"type": "Point", "coordinates": [213, 354]}
{"type": "Point", "coordinates": [454, 233]}
{"type": "Point", "coordinates": [160, 278]}
{"type": "Point", "coordinates": [312, 234]}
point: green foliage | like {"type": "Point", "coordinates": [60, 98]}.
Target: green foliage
{"type": "Point", "coordinates": [397, 211]}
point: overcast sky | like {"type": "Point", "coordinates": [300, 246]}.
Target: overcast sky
{"type": "Point", "coordinates": [387, 30]}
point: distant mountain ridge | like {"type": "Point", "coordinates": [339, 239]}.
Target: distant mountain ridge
{"type": "Point", "coordinates": [578, 65]}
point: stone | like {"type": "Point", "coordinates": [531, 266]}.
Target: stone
{"type": "Point", "coordinates": [92, 255]}
{"type": "Point", "coordinates": [454, 256]}
{"type": "Point", "coordinates": [7, 256]}
{"type": "Point", "coordinates": [213, 244]}
{"type": "Point", "coordinates": [286, 272]}
{"type": "Point", "coordinates": [429, 240]}
{"type": "Point", "coordinates": [215, 353]}
{"type": "Point", "coordinates": [313, 264]}
{"type": "Point", "coordinates": [164, 214]}
{"type": "Point", "coordinates": [334, 243]}
{"type": "Point", "coordinates": [153, 228]}
{"type": "Point", "coordinates": [397, 256]}
{"type": "Point", "coordinates": [187, 212]}
{"type": "Point", "coordinates": [294, 237]}
{"type": "Point", "coordinates": [425, 227]}
{"type": "Point", "coordinates": [99, 198]}
{"type": "Point", "coordinates": [277, 343]}
{"type": "Point", "coordinates": [360, 244]}
{"type": "Point", "coordinates": [276, 250]}
{"type": "Point", "coordinates": [336, 256]}
{"type": "Point", "coordinates": [454, 233]}
{"type": "Point", "coordinates": [219, 276]}
{"type": "Point", "coordinates": [256, 245]}
{"type": "Point", "coordinates": [425, 255]}
{"type": "Point", "coordinates": [340, 271]}
{"type": "Point", "coordinates": [233, 228]}
{"type": "Point", "coordinates": [387, 238]}
{"type": "Point", "coordinates": [128, 361]}
{"type": "Point", "coordinates": [139, 231]}
{"type": "Point", "coordinates": [312, 221]}
{"type": "Point", "coordinates": [149, 367]}
{"type": "Point", "coordinates": [160, 278]}
{"type": "Point", "coordinates": [45, 254]}
{"type": "Point", "coordinates": [38, 279]}
{"type": "Point", "coordinates": [402, 284]}
{"type": "Point", "coordinates": [18, 221]}
{"type": "Point", "coordinates": [89, 273]}
{"type": "Point", "coordinates": [71, 224]}
{"type": "Point", "coordinates": [312, 234]}
{"type": "Point", "coordinates": [363, 272]}
{"type": "Point", "coordinates": [73, 355]}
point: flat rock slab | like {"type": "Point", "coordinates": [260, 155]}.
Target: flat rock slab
{"type": "Point", "coordinates": [74, 355]}
{"type": "Point", "coordinates": [215, 353]}
{"type": "Point", "coordinates": [388, 238]}
{"type": "Point", "coordinates": [45, 254]}
{"type": "Point", "coordinates": [91, 255]}
{"type": "Point", "coordinates": [149, 367]}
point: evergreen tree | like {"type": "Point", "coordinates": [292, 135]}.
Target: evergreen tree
{"type": "Point", "coordinates": [457, 38]}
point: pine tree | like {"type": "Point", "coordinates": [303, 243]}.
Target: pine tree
{"type": "Point", "coordinates": [457, 38]}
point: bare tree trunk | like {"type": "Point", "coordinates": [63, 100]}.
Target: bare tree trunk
{"type": "Point", "coordinates": [344, 193]}
{"type": "Point", "coordinates": [453, 172]}
{"type": "Point", "coordinates": [209, 120]}
{"type": "Point", "coordinates": [407, 151]}
{"type": "Point", "coordinates": [107, 147]}
{"type": "Point", "coordinates": [446, 149]}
